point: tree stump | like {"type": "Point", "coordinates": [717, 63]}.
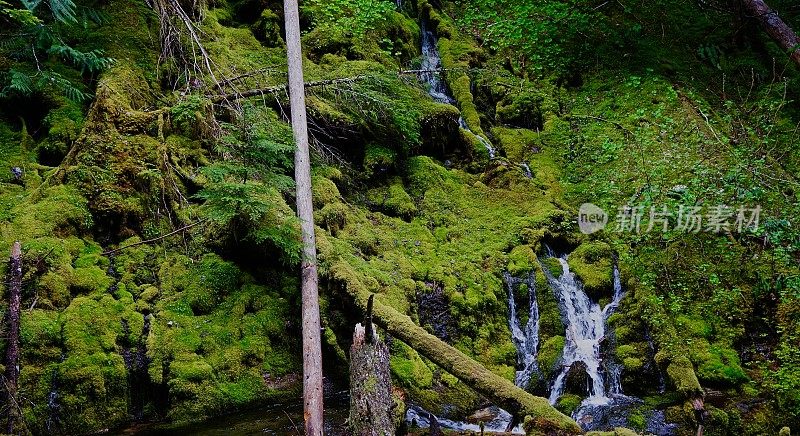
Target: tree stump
{"type": "Point", "coordinates": [371, 401]}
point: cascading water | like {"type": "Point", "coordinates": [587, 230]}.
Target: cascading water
{"type": "Point", "coordinates": [584, 331]}
{"type": "Point", "coordinates": [525, 340]}
{"type": "Point", "coordinates": [430, 71]}
{"type": "Point", "coordinates": [526, 170]}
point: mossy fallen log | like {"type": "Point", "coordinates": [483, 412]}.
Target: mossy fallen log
{"type": "Point", "coordinates": [543, 418]}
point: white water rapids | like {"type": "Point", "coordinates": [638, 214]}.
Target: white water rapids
{"type": "Point", "coordinates": [585, 330]}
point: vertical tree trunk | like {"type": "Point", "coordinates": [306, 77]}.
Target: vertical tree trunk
{"type": "Point", "coordinates": [371, 401]}
{"type": "Point", "coordinates": [12, 351]}
{"type": "Point", "coordinates": [312, 348]}
{"type": "Point", "coordinates": [783, 35]}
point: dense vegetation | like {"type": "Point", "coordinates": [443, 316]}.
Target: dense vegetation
{"type": "Point", "coordinates": [154, 200]}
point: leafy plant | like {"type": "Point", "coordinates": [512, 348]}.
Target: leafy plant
{"type": "Point", "coordinates": [547, 35]}
{"type": "Point", "coordinates": [354, 16]}
{"type": "Point", "coordinates": [35, 46]}
{"type": "Point", "coordinates": [245, 189]}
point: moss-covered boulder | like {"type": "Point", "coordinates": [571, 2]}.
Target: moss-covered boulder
{"type": "Point", "coordinates": [592, 263]}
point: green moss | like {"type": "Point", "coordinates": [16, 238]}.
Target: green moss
{"type": "Point", "coordinates": [521, 260]}
{"type": "Point", "coordinates": [717, 364]}
{"type": "Point", "coordinates": [637, 420]}
{"type": "Point", "coordinates": [378, 159]}
{"type": "Point", "coordinates": [267, 28]}
{"type": "Point", "coordinates": [191, 368]}
{"type": "Point", "coordinates": [567, 403]}
{"type": "Point", "coordinates": [619, 431]}
{"type": "Point", "coordinates": [409, 369]}
{"type": "Point", "coordinates": [549, 354]}
{"type": "Point", "coordinates": [393, 199]}
{"type": "Point", "coordinates": [518, 144]}
{"type": "Point", "coordinates": [323, 191]}
{"type": "Point", "coordinates": [592, 264]}
{"type": "Point", "coordinates": [201, 287]}
{"type": "Point", "coordinates": [423, 173]}
{"type": "Point", "coordinates": [553, 266]}
{"type": "Point", "coordinates": [681, 372]}
{"type": "Point", "coordinates": [694, 326]}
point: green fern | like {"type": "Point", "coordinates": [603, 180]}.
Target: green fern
{"type": "Point", "coordinates": [245, 189]}
{"type": "Point", "coordinates": [19, 83]}
{"type": "Point", "coordinates": [62, 10]}
{"type": "Point", "coordinates": [91, 62]}
{"type": "Point", "coordinates": [65, 86]}
{"type": "Point", "coordinates": [23, 83]}
{"type": "Point", "coordinates": [33, 37]}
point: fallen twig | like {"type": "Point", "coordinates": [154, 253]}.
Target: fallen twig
{"type": "Point", "coordinates": [279, 88]}
{"type": "Point", "coordinates": [149, 241]}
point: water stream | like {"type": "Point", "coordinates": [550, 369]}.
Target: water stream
{"type": "Point", "coordinates": [431, 70]}
{"type": "Point", "coordinates": [526, 339]}
{"type": "Point", "coordinates": [419, 417]}
{"type": "Point", "coordinates": [585, 330]}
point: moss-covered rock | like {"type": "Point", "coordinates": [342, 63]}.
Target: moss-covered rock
{"type": "Point", "coordinates": [521, 260]}
{"type": "Point", "coordinates": [393, 199]}
{"type": "Point", "coordinates": [592, 263]}
{"type": "Point", "coordinates": [567, 403]}
{"type": "Point", "coordinates": [549, 355]}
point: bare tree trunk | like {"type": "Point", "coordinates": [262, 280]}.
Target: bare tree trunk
{"type": "Point", "coordinates": [371, 401]}
{"type": "Point", "coordinates": [783, 35]}
{"type": "Point", "coordinates": [312, 348]}
{"type": "Point", "coordinates": [12, 352]}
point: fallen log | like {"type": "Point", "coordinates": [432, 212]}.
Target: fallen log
{"type": "Point", "coordinates": [544, 418]}
{"type": "Point", "coordinates": [777, 29]}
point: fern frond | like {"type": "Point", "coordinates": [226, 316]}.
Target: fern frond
{"type": "Point", "coordinates": [60, 83]}
{"type": "Point", "coordinates": [91, 61]}
{"type": "Point", "coordinates": [19, 83]}
{"type": "Point", "coordinates": [63, 10]}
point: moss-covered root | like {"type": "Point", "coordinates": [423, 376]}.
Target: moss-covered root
{"type": "Point", "coordinates": [540, 416]}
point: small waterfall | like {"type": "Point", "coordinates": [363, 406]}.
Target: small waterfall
{"type": "Point", "coordinates": [431, 68]}
{"type": "Point", "coordinates": [525, 340]}
{"type": "Point", "coordinates": [53, 422]}
{"type": "Point", "coordinates": [430, 72]}
{"type": "Point", "coordinates": [526, 170]}
{"type": "Point", "coordinates": [585, 330]}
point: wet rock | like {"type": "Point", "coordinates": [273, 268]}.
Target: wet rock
{"type": "Point", "coordinates": [716, 398]}
{"type": "Point", "coordinates": [434, 311]}
{"type": "Point", "coordinates": [577, 380]}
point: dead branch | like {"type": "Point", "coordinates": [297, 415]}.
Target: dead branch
{"type": "Point", "coordinates": [150, 241]}
{"type": "Point", "coordinates": [777, 29]}
{"type": "Point", "coordinates": [282, 88]}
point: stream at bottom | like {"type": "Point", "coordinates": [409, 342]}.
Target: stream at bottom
{"type": "Point", "coordinates": [497, 421]}
{"type": "Point", "coordinates": [276, 419]}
